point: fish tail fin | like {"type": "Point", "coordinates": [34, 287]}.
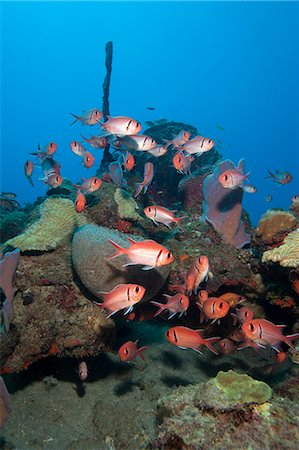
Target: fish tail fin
{"type": "Point", "coordinates": [161, 307]}
{"type": "Point", "coordinates": [208, 343]}
{"type": "Point", "coordinates": [141, 350]}
{"type": "Point", "coordinates": [139, 187]}
{"type": "Point", "coordinates": [271, 175]}
{"type": "Point", "coordinates": [291, 337]}
{"type": "Point", "coordinates": [247, 175]}
{"type": "Point", "coordinates": [178, 220]}
{"type": "Point", "coordinates": [120, 250]}
{"type": "Point", "coordinates": [76, 118]}
{"type": "Point", "coordinates": [30, 181]}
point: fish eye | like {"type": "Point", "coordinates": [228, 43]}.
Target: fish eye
{"type": "Point", "coordinates": [221, 305]}
{"type": "Point", "coordinates": [225, 177]}
{"type": "Point", "coordinates": [149, 209]}
{"type": "Point", "coordinates": [167, 333]}
{"type": "Point", "coordinates": [251, 327]}
{"type": "Point", "coordinates": [179, 159]}
{"type": "Point", "coordinates": [246, 313]}
{"type": "Point", "coordinates": [126, 351]}
{"type": "Point", "coordinates": [168, 255]}
{"type": "Point", "coordinates": [57, 178]}
{"type": "Point", "coordinates": [181, 301]}
{"type": "Point", "coordinates": [137, 124]}
{"type": "Point", "coordinates": [137, 289]}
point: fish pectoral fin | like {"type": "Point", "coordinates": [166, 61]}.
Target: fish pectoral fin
{"type": "Point", "coordinates": [171, 315]}
{"type": "Point", "coordinates": [183, 348]}
{"type": "Point", "coordinates": [128, 310]}
{"type": "Point", "coordinates": [197, 351]}
{"type": "Point", "coordinates": [148, 267]}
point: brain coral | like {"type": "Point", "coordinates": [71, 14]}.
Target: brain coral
{"type": "Point", "coordinates": [273, 223]}
{"type": "Point", "coordinates": [90, 247]}
{"type": "Point", "coordinates": [286, 254]}
{"type": "Point", "coordinates": [57, 221]}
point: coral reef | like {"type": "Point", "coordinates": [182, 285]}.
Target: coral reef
{"type": "Point", "coordinates": [51, 315]}
{"type": "Point", "coordinates": [90, 248]}
{"type": "Point", "coordinates": [58, 219]}
{"type": "Point", "coordinates": [126, 205]}
{"type": "Point", "coordinates": [222, 207]}
{"type": "Point", "coordinates": [286, 254]}
{"type": "Point", "coordinates": [209, 415]}
{"type": "Point", "coordinates": [274, 225]}
{"type": "Point", "coordinates": [191, 187]}
{"type": "Point", "coordinates": [12, 223]}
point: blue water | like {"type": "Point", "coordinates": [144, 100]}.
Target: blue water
{"type": "Point", "coordinates": [206, 64]}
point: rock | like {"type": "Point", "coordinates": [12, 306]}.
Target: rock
{"type": "Point", "coordinates": [90, 247]}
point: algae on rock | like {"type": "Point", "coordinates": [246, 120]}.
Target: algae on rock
{"type": "Point", "coordinates": [57, 222]}
{"type": "Point", "coordinates": [126, 205]}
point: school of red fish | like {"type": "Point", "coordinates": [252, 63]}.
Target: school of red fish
{"type": "Point", "coordinates": [123, 135]}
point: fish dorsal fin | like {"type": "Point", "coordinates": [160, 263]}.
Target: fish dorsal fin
{"type": "Point", "coordinates": [241, 165]}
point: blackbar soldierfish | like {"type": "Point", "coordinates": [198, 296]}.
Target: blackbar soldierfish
{"type": "Point", "coordinates": [159, 214]}
{"type": "Point", "coordinates": [90, 117]}
{"type": "Point", "coordinates": [122, 296]}
{"type": "Point", "coordinates": [129, 351]}
{"type": "Point", "coordinates": [185, 338]}
{"type": "Point", "coordinates": [280, 177]}
{"type": "Point", "coordinates": [121, 126]}
{"type": "Point", "coordinates": [148, 178]}
{"type": "Point", "coordinates": [177, 304]}
{"type": "Point", "coordinates": [264, 333]}
{"type": "Point", "coordinates": [28, 168]}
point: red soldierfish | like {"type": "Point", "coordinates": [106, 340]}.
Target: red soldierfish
{"type": "Point", "coordinates": [28, 168]}
{"type": "Point", "coordinates": [198, 145]}
{"type": "Point", "coordinates": [148, 178]}
{"type": "Point", "coordinates": [232, 179]}
{"type": "Point", "coordinates": [241, 315]}
{"type": "Point", "coordinates": [83, 371]}
{"type": "Point", "coordinates": [184, 338]}
{"type": "Point", "coordinates": [78, 148]}
{"type": "Point", "coordinates": [179, 140]}
{"type": "Point", "coordinates": [280, 177]}
{"type": "Point", "coordinates": [80, 202]}
{"type": "Point", "coordinates": [121, 126]}
{"type": "Point", "coordinates": [128, 352]}
{"type": "Point", "coordinates": [232, 298]}
{"type": "Point", "coordinates": [91, 117]}
{"type": "Point", "coordinates": [127, 160]}
{"type": "Point", "coordinates": [162, 215]}
{"type": "Point", "coordinates": [227, 346]}
{"type": "Point", "coordinates": [264, 333]}
{"type": "Point", "coordinates": [178, 304]}
{"type": "Point", "coordinates": [88, 160]}
{"type": "Point", "coordinates": [182, 162]}
{"type": "Point", "coordinates": [51, 171]}
{"type": "Point", "coordinates": [122, 296]}
{"type": "Point", "coordinates": [148, 253]}
{"type": "Point", "coordinates": [198, 272]}
{"type": "Point", "coordinates": [138, 143]}
{"type": "Point", "coordinates": [213, 308]}
{"type": "Point", "coordinates": [91, 184]}
{"type": "Point", "coordinates": [96, 141]}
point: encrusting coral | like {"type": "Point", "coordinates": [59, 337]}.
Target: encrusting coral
{"type": "Point", "coordinates": [126, 205]}
{"type": "Point", "coordinates": [273, 223]}
{"type": "Point", "coordinates": [286, 254]}
{"type": "Point", "coordinates": [57, 221]}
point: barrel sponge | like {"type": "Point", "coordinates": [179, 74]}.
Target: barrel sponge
{"type": "Point", "coordinates": [126, 205]}
{"type": "Point", "coordinates": [274, 222]}
{"type": "Point", "coordinates": [57, 222]}
{"type": "Point", "coordinates": [286, 254]}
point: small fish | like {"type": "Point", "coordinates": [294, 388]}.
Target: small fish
{"type": "Point", "coordinates": [232, 298]}
{"type": "Point", "coordinates": [80, 202]}
{"type": "Point", "coordinates": [128, 161]}
{"type": "Point", "coordinates": [213, 308]}
{"type": "Point", "coordinates": [121, 126]}
{"type": "Point", "coordinates": [117, 176]}
{"type": "Point", "coordinates": [280, 177]}
{"type": "Point", "coordinates": [10, 205]}
{"type": "Point", "coordinates": [198, 272]}
{"type": "Point", "coordinates": [88, 160]}
{"type": "Point", "coordinates": [232, 179]}
{"type": "Point", "coordinates": [122, 296]}
{"type": "Point", "coordinates": [182, 163]}
{"type": "Point", "coordinates": [159, 214]}
{"type": "Point", "coordinates": [198, 145]}
{"type": "Point", "coordinates": [96, 141]}
{"type": "Point", "coordinates": [83, 371]}
{"type": "Point", "coordinates": [227, 346]}
{"type": "Point", "coordinates": [51, 171]}
{"type": "Point", "coordinates": [263, 333]}
{"type": "Point", "coordinates": [140, 142]}
{"type": "Point", "coordinates": [179, 139]}
{"type": "Point", "coordinates": [148, 253]}
{"type": "Point", "coordinates": [128, 352]}
{"type": "Point", "coordinates": [268, 198]}
{"type": "Point", "coordinates": [148, 178]}
{"type": "Point", "coordinates": [49, 151]}
{"type": "Point", "coordinates": [52, 180]}
{"type": "Point", "coordinates": [91, 184]}
{"type": "Point", "coordinates": [185, 338]}
{"type": "Point", "coordinates": [28, 168]}
{"type": "Point", "coordinates": [78, 148]}
{"type": "Point", "coordinates": [241, 315]}
{"type": "Point", "coordinates": [158, 151]}
{"type": "Point", "coordinates": [249, 188]}
{"type": "Point", "coordinates": [8, 195]}
{"type": "Point", "coordinates": [151, 108]}
{"type": "Point", "coordinates": [178, 304]}
{"type": "Point", "coordinates": [295, 199]}
{"type": "Point", "coordinates": [91, 117]}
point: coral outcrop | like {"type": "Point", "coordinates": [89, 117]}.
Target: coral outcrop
{"type": "Point", "coordinates": [57, 221]}
{"type": "Point", "coordinates": [286, 254]}
{"type": "Point", "coordinates": [226, 410]}
{"type": "Point", "coordinates": [126, 205]}
{"type": "Point", "coordinates": [222, 207]}
{"type": "Point", "coordinates": [90, 248]}
{"type": "Point", "coordinates": [274, 225]}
